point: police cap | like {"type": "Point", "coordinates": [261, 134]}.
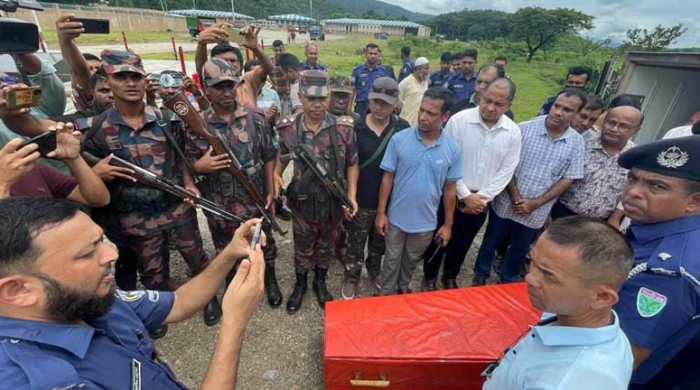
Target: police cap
{"type": "Point", "coordinates": [677, 157]}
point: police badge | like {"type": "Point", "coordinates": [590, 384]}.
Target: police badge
{"type": "Point", "coordinates": [673, 157]}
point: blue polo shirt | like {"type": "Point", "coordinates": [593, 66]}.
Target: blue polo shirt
{"type": "Point", "coordinates": [114, 352]}
{"type": "Point", "coordinates": [659, 304]}
{"type": "Point", "coordinates": [460, 86]}
{"type": "Point", "coordinates": [438, 79]}
{"type": "Point", "coordinates": [362, 79]}
{"type": "Point", "coordinates": [319, 66]}
{"type": "Point", "coordinates": [420, 172]}
{"type": "Point", "coordinates": [552, 357]}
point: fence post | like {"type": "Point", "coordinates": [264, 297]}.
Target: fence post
{"type": "Point", "coordinates": [182, 60]}
{"type": "Point", "coordinates": [172, 39]}
{"type": "Point", "coordinates": [126, 45]}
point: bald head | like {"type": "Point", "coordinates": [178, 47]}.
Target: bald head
{"type": "Point", "coordinates": [620, 125]}
{"type": "Point", "coordinates": [633, 114]}
{"type": "Point", "coordinates": [504, 85]}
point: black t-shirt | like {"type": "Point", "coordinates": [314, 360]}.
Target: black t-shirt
{"type": "Point", "coordinates": [371, 175]}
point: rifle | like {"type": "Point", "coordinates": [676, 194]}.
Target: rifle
{"type": "Point", "coordinates": [182, 107]}
{"type": "Point", "coordinates": [438, 247]}
{"type": "Point", "coordinates": [156, 181]}
{"type": "Point", "coordinates": [306, 154]}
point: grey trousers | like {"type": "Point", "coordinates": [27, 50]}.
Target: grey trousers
{"type": "Point", "coordinates": [403, 252]}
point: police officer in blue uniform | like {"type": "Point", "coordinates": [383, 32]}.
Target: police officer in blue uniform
{"type": "Point", "coordinates": [364, 75]}
{"type": "Point", "coordinates": [463, 83]}
{"type": "Point", "coordinates": [440, 77]}
{"type": "Point", "coordinates": [64, 326]}
{"type": "Point", "coordinates": [659, 305]}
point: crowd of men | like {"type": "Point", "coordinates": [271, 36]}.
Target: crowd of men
{"type": "Point", "coordinates": [388, 173]}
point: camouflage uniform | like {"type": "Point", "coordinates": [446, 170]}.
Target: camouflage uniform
{"type": "Point", "coordinates": [342, 84]}
{"type": "Point", "coordinates": [361, 231]}
{"type": "Point", "coordinates": [316, 240]}
{"type": "Point", "coordinates": [149, 228]}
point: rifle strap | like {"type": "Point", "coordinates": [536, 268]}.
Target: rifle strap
{"type": "Point", "coordinates": [166, 125]}
{"type": "Point", "coordinates": [335, 162]}
{"type": "Point", "coordinates": [382, 145]}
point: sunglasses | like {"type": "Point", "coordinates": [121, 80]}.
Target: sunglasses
{"type": "Point", "coordinates": [388, 91]}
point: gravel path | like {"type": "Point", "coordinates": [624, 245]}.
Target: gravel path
{"type": "Point", "coordinates": [280, 351]}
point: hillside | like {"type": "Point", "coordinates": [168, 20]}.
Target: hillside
{"type": "Point", "coordinates": [323, 9]}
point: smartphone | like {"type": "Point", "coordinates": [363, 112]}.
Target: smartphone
{"type": "Point", "coordinates": [23, 97]}
{"type": "Point", "coordinates": [168, 80]}
{"type": "Point", "coordinates": [234, 34]}
{"type": "Point", "coordinates": [257, 235]}
{"type": "Point", "coordinates": [93, 26]}
{"type": "Point", "coordinates": [46, 142]}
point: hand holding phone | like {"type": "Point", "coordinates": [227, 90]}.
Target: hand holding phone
{"type": "Point", "coordinates": [23, 97]}
{"type": "Point", "coordinates": [93, 26]}
{"type": "Point", "coordinates": [46, 143]}
{"type": "Point", "coordinates": [234, 35]}
{"type": "Point", "coordinates": [257, 235]}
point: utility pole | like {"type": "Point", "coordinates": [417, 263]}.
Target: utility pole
{"type": "Point", "coordinates": [233, 11]}
{"type": "Point", "coordinates": [311, 8]}
{"type": "Point", "coordinates": [194, 6]}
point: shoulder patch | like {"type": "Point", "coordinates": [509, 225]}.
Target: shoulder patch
{"type": "Point", "coordinates": [346, 120]}
{"type": "Point", "coordinates": [83, 123]}
{"type": "Point", "coordinates": [285, 121]}
{"type": "Point", "coordinates": [130, 296]}
{"type": "Point", "coordinates": [649, 302]}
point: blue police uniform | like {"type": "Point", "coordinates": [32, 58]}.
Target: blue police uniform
{"type": "Point", "coordinates": [362, 79]}
{"type": "Point", "coordinates": [547, 105]}
{"type": "Point", "coordinates": [406, 69]}
{"type": "Point", "coordinates": [114, 352]}
{"type": "Point", "coordinates": [438, 79]}
{"type": "Point", "coordinates": [460, 86]}
{"type": "Point", "coordinates": [319, 66]}
{"type": "Point", "coordinates": [659, 305]}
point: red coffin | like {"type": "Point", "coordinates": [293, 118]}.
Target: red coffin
{"type": "Point", "coordinates": [430, 341]}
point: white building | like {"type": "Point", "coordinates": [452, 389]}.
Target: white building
{"type": "Point", "coordinates": [391, 28]}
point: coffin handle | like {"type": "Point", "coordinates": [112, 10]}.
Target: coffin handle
{"type": "Point", "coordinates": [357, 381]}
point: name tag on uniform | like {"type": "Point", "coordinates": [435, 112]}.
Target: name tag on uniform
{"type": "Point", "coordinates": [135, 374]}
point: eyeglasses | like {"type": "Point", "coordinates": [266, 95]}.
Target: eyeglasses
{"type": "Point", "coordinates": [388, 91]}
{"type": "Point", "coordinates": [611, 124]}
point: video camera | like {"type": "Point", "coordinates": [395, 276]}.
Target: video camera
{"type": "Point", "coordinates": [18, 36]}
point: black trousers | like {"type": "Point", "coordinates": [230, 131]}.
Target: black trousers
{"type": "Point", "coordinates": [464, 228]}
{"type": "Point", "coordinates": [561, 211]}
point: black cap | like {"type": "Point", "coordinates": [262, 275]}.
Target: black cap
{"type": "Point", "coordinates": [677, 157]}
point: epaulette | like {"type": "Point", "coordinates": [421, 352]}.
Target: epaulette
{"type": "Point", "coordinates": [83, 124]}
{"type": "Point", "coordinates": [285, 121]}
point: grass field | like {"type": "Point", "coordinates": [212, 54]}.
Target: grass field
{"type": "Point", "coordinates": [535, 81]}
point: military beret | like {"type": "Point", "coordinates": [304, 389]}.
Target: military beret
{"type": "Point", "coordinates": [677, 157]}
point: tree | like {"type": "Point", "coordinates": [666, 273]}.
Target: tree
{"type": "Point", "coordinates": [461, 25]}
{"type": "Point", "coordinates": [539, 27]}
{"type": "Point", "coordinates": [658, 39]}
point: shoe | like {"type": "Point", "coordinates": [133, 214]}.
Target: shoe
{"type": "Point", "coordinates": [449, 284]}
{"type": "Point", "coordinates": [405, 290]}
{"type": "Point", "coordinates": [349, 289]}
{"type": "Point", "coordinates": [320, 288]}
{"type": "Point", "coordinates": [212, 312]}
{"type": "Point", "coordinates": [283, 214]}
{"type": "Point", "coordinates": [429, 285]}
{"type": "Point", "coordinates": [478, 281]}
{"type": "Point", "coordinates": [272, 289]}
{"type": "Point", "coordinates": [158, 333]}
{"type": "Point", "coordinates": [376, 285]}
{"type": "Point", "coordinates": [300, 287]}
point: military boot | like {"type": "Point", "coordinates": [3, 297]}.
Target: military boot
{"type": "Point", "coordinates": [300, 287]}
{"type": "Point", "coordinates": [272, 289]}
{"type": "Point", "coordinates": [320, 288]}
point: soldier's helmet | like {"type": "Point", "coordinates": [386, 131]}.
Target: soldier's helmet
{"type": "Point", "coordinates": [117, 61]}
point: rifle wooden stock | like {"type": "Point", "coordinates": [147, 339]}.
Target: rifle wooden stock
{"type": "Point", "coordinates": [182, 107]}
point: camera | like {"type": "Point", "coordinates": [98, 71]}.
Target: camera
{"type": "Point", "coordinates": [18, 36]}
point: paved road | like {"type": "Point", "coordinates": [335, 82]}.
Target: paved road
{"type": "Point", "coordinates": [267, 36]}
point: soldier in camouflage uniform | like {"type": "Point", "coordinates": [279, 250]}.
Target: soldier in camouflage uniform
{"type": "Point", "coordinates": [149, 219]}
{"type": "Point", "coordinates": [341, 94]}
{"type": "Point", "coordinates": [249, 135]}
{"type": "Point", "coordinates": [316, 216]}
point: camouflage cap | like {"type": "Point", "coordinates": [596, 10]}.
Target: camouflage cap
{"type": "Point", "coordinates": [117, 61]}
{"type": "Point", "coordinates": [217, 70]}
{"type": "Point", "coordinates": [314, 83]}
{"type": "Point", "coordinates": [340, 84]}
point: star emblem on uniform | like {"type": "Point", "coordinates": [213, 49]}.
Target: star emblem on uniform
{"type": "Point", "coordinates": [664, 256]}
{"type": "Point", "coordinates": [284, 120]}
{"type": "Point", "coordinates": [673, 157]}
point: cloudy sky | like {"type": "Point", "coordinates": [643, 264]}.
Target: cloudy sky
{"type": "Point", "coordinates": [613, 17]}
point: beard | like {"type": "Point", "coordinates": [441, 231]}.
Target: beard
{"type": "Point", "coordinates": [66, 304]}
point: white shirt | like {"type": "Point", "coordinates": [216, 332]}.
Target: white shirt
{"type": "Point", "coordinates": [566, 358]}
{"type": "Point", "coordinates": [680, 131]}
{"type": "Point", "coordinates": [489, 156]}
{"type": "Point", "coordinates": [411, 94]}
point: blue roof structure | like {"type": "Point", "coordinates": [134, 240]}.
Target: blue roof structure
{"type": "Point", "coordinates": [292, 18]}
{"type": "Point", "coordinates": [372, 22]}
{"type": "Point", "coordinates": [209, 14]}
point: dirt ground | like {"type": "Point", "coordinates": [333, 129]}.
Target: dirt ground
{"type": "Point", "coordinates": [280, 351]}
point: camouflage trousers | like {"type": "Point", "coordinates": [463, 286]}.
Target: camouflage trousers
{"type": "Point", "coordinates": [222, 232]}
{"type": "Point", "coordinates": [314, 242]}
{"type": "Point", "coordinates": [154, 256]}
{"type": "Point", "coordinates": [361, 233]}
